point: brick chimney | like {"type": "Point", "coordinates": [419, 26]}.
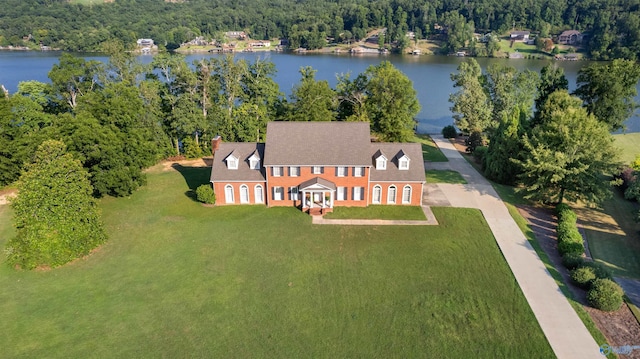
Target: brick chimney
{"type": "Point", "coordinates": [215, 144]}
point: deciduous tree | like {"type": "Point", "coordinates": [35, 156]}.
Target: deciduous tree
{"type": "Point", "coordinates": [608, 91]}
{"type": "Point", "coordinates": [391, 102]}
{"type": "Point", "coordinates": [56, 218]}
{"type": "Point", "coordinates": [568, 156]}
{"type": "Point", "coordinates": [472, 107]}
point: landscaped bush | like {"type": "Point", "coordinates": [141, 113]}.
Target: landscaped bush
{"type": "Point", "coordinates": [568, 216]}
{"type": "Point", "coordinates": [570, 247]}
{"type": "Point", "coordinates": [561, 208]}
{"type": "Point", "coordinates": [205, 194]}
{"type": "Point", "coordinates": [605, 295]}
{"type": "Point", "coordinates": [572, 260]}
{"type": "Point", "coordinates": [480, 153]}
{"type": "Point", "coordinates": [449, 132]}
{"type": "Point", "coordinates": [598, 269]}
{"type": "Point", "coordinates": [570, 236]}
{"type": "Point", "coordinates": [583, 276]}
{"type": "Point", "coordinates": [565, 228]}
{"type": "Point", "coordinates": [475, 140]}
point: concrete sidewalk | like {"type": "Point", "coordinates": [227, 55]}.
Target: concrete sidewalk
{"type": "Point", "coordinates": [565, 332]}
{"type": "Point", "coordinates": [430, 221]}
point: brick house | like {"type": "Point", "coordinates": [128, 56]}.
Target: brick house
{"type": "Point", "coordinates": [317, 165]}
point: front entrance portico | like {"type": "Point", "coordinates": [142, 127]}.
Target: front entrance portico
{"type": "Point", "coordinates": [317, 193]}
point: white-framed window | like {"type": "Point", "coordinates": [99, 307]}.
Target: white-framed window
{"type": "Point", "coordinates": [259, 193]}
{"type": "Point", "coordinates": [377, 195]}
{"type": "Point", "coordinates": [232, 163]}
{"type": "Point", "coordinates": [391, 194]}
{"type": "Point", "coordinates": [276, 171]}
{"type": "Point", "coordinates": [406, 194]}
{"type": "Point", "coordinates": [244, 194]}
{"type": "Point", "coordinates": [294, 171]}
{"type": "Point", "coordinates": [403, 163]}
{"type": "Point", "coordinates": [293, 193]}
{"type": "Point", "coordinates": [341, 171]}
{"type": "Point", "coordinates": [317, 170]}
{"type": "Point", "coordinates": [358, 171]}
{"type": "Point", "coordinates": [341, 194]}
{"type": "Point", "coordinates": [254, 162]}
{"type": "Point", "coordinates": [228, 194]}
{"type": "Point", "coordinates": [278, 193]}
{"type": "Point", "coordinates": [358, 193]}
{"type": "Point", "coordinates": [381, 163]}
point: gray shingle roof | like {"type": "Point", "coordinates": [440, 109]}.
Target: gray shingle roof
{"type": "Point", "coordinates": [243, 151]}
{"type": "Point", "coordinates": [415, 173]}
{"type": "Point", "coordinates": [318, 180]}
{"type": "Point", "coordinates": [318, 143]}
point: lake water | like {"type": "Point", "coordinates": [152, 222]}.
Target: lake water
{"type": "Point", "coordinates": [430, 74]}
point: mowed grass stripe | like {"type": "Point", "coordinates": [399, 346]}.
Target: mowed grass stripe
{"type": "Point", "coordinates": [177, 279]}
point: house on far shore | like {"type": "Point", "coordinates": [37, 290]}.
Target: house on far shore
{"type": "Point", "coordinates": [240, 35]}
{"type": "Point", "coordinates": [316, 166]}
{"type": "Point", "coordinates": [145, 42]}
{"type": "Point", "coordinates": [570, 37]}
{"type": "Point", "coordinates": [519, 35]}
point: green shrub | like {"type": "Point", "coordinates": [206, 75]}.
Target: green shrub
{"type": "Point", "coordinates": [205, 194]}
{"type": "Point", "coordinates": [191, 149]}
{"type": "Point", "coordinates": [449, 132]}
{"type": "Point", "coordinates": [583, 276]}
{"type": "Point", "coordinates": [564, 228]}
{"type": "Point", "coordinates": [561, 208]}
{"type": "Point", "coordinates": [605, 295]}
{"type": "Point", "coordinates": [572, 260]}
{"type": "Point", "coordinates": [570, 247]}
{"type": "Point", "coordinates": [598, 269]}
{"type": "Point", "coordinates": [568, 216]}
{"type": "Point", "coordinates": [480, 154]}
{"type": "Point", "coordinates": [476, 139]}
{"type": "Point", "coordinates": [570, 236]}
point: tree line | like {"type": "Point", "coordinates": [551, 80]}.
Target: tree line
{"type": "Point", "coordinates": [559, 149]}
{"type": "Point", "coordinates": [612, 26]}
{"type": "Point", "coordinates": [121, 117]}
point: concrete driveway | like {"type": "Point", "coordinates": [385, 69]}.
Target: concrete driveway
{"type": "Point", "coordinates": [565, 332]}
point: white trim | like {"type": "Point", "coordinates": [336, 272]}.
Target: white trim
{"type": "Point", "coordinates": [354, 171]}
{"type": "Point", "coordinates": [273, 171]}
{"type": "Point", "coordinates": [226, 197]}
{"type": "Point", "coordinates": [410, 194]}
{"type": "Point", "coordinates": [291, 174]}
{"type": "Point", "coordinates": [319, 168]}
{"type": "Point", "coordinates": [247, 199]}
{"type": "Point", "coordinates": [258, 189]}
{"type": "Point", "coordinates": [232, 162]}
{"type": "Point", "coordinates": [395, 194]}
{"type": "Point", "coordinates": [342, 171]}
{"type": "Point", "coordinates": [373, 195]}
{"type": "Point", "coordinates": [275, 192]}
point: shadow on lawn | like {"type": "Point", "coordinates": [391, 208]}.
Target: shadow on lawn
{"type": "Point", "coordinates": [194, 177]}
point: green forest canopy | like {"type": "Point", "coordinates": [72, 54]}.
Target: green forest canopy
{"type": "Point", "coordinates": [612, 26]}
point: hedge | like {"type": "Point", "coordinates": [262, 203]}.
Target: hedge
{"type": "Point", "coordinates": [605, 295]}
{"type": "Point", "coordinates": [572, 260]}
{"type": "Point", "coordinates": [449, 132]}
{"type": "Point", "coordinates": [567, 247]}
{"type": "Point", "coordinates": [583, 276]}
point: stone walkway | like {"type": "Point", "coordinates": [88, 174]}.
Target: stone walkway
{"type": "Point", "coordinates": [430, 221]}
{"type": "Point", "coordinates": [565, 332]}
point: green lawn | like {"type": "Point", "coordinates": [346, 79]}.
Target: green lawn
{"type": "Point", "coordinates": [614, 235]}
{"type": "Point", "coordinates": [511, 199]}
{"type": "Point", "coordinates": [430, 152]}
{"type": "Point", "coordinates": [629, 143]}
{"type": "Point", "coordinates": [378, 212]}
{"type": "Point", "coordinates": [444, 176]}
{"type": "Point", "coordinates": [177, 279]}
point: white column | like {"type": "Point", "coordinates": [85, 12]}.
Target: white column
{"type": "Point", "coordinates": [331, 203]}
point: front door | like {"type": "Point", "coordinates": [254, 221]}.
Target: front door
{"type": "Point", "coordinates": [317, 197]}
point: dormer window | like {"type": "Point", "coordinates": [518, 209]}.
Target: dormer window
{"type": "Point", "coordinates": [254, 161]}
{"type": "Point", "coordinates": [232, 162]}
{"type": "Point", "coordinates": [403, 161]}
{"type": "Point", "coordinates": [381, 162]}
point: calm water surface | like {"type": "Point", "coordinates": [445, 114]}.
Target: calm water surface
{"type": "Point", "coordinates": [430, 74]}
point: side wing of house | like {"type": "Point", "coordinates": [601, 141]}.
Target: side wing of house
{"type": "Point", "coordinates": [397, 174]}
{"type": "Point", "coordinates": [237, 174]}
